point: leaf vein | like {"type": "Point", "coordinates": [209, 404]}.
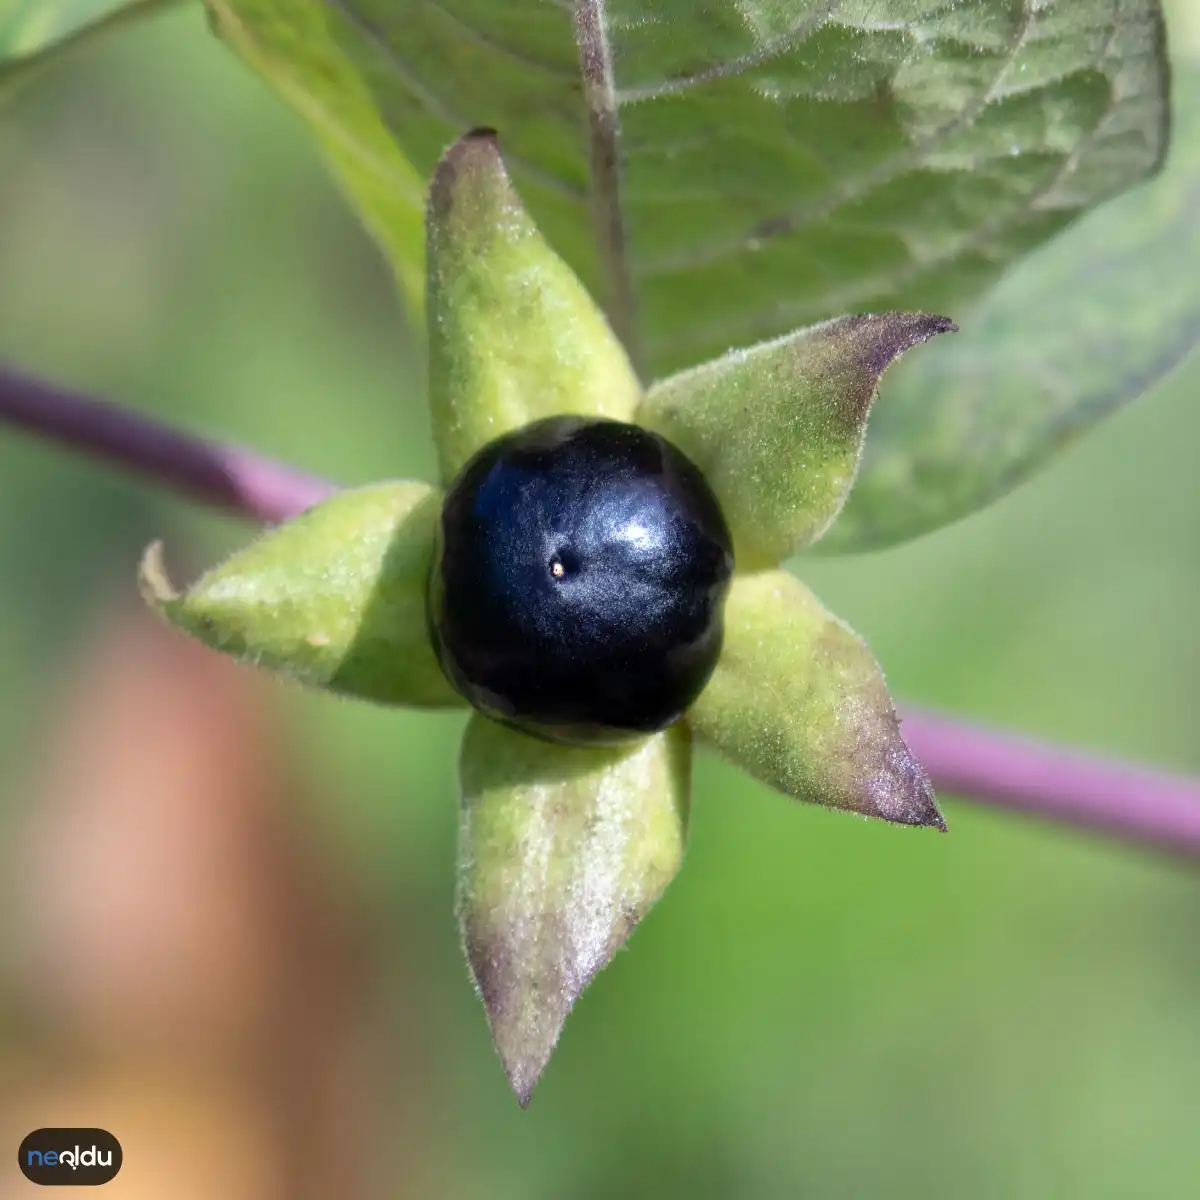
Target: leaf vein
{"type": "Point", "coordinates": [854, 189]}
{"type": "Point", "coordinates": [734, 67]}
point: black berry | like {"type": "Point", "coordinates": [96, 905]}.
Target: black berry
{"type": "Point", "coordinates": [580, 581]}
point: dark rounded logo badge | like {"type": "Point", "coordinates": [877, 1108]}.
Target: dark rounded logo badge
{"type": "Point", "coordinates": [69, 1157]}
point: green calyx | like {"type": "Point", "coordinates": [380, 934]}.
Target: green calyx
{"type": "Point", "coordinates": [778, 429]}
{"type": "Point", "coordinates": [513, 334]}
{"type": "Point", "coordinates": [799, 702]}
{"type": "Point", "coordinates": [334, 598]}
{"type": "Point", "coordinates": [562, 849]}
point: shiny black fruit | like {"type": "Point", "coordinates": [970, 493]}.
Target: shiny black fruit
{"type": "Point", "coordinates": [580, 582]}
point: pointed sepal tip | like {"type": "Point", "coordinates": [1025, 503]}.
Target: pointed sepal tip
{"type": "Point", "coordinates": [800, 703]}
{"type": "Point", "coordinates": [778, 428]}
{"type": "Point", "coordinates": [153, 581]}
{"type": "Point", "coordinates": [562, 851]}
{"type": "Point", "coordinates": [514, 335]}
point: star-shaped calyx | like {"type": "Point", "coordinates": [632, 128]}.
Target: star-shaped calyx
{"type": "Point", "coordinates": [563, 848]}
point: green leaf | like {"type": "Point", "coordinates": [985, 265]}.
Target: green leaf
{"type": "Point", "coordinates": [729, 171]}
{"type": "Point", "coordinates": [34, 33]}
{"type": "Point", "coordinates": [799, 702]}
{"type": "Point", "coordinates": [778, 429]}
{"type": "Point", "coordinates": [513, 334]}
{"type": "Point", "coordinates": [1088, 324]}
{"type": "Point", "coordinates": [562, 851]}
{"type": "Point", "coordinates": [311, 72]}
{"type": "Point", "coordinates": [334, 598]}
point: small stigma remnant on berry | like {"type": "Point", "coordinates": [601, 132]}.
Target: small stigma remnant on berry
{"type": "Point", "coordinates": [624, 632]}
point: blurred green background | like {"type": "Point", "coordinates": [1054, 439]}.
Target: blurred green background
{"type": "Point", "coordinates": [818, 1008]}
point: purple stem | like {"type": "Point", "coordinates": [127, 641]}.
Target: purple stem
{"type": "Point", "coordinates": [992, 767]}
{"type": "Point", "coordinates": [227, 476]}
{"type": "Point", "coordinates": [1052, 782]}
